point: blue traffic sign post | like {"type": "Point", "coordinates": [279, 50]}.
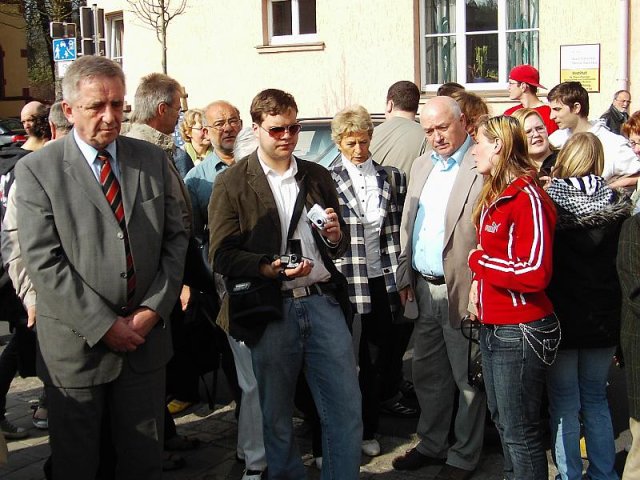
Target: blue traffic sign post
{"type": "Point", "coordinates": [64, 49]}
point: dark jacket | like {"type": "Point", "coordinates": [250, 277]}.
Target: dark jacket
{"type": "Point", "coordinates": [584, 288]}
{"type": "Point", "coordinates": [244, 223]}
{"type": "Point", "coordinates": [614, 118]}
{"type": "Point", "coordinates": [629, 272]}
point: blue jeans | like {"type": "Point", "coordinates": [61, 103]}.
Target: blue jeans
{"type": "Point", "coordinates": [577, 384]}
{"type": "Point", "coordinates": [514, 364]}
{"type": "Point", "coordinates": [312, 335]}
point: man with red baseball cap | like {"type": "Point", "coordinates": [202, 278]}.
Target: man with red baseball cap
{"type": "Point", "coordinates": [524, 81]}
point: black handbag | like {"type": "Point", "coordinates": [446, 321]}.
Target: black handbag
{"type": "Point", "coordinates": [471, 330]}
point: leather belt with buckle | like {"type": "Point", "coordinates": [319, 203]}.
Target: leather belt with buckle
{"type": "Point", "coordinates": [433, 280]}
{"type": "Point", "coordinates": [300, 292]}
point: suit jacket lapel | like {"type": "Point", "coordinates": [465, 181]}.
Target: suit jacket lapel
{"type": "Point", "coordinates": [384, 193]}
{"type": "Point", "coordinates": [344, 186]}
{"type": "Point", "coordinates": [129, 177]}
{"type": "Point", "coordinates": [257, 180]}
{"type": "Point", "coordinates": [459, 194]}
{"type": "Point", "coordinates": [75, 165]}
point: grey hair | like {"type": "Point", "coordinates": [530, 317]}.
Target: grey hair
{"type": "Point", "coordinates": [57, 118]}
{"type": "Point", "coordinates": [615, 95]}
{"type": "Point", "coordinates": [86, 68]}
{"type": "Point", "coordinates": [154, 89]}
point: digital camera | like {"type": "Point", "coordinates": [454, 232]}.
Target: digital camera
{"type": "Point", "coordinates": [317, 216]}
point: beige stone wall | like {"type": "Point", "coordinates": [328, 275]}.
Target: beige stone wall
{"type": "Point", "coordinates": [363, 54]}
{"type": "Point", "coordinates": [571, 22]}
{"type": "Point", "coordinates": [13, 41]}
{"type": "Point", "coordinates": [367, 46]}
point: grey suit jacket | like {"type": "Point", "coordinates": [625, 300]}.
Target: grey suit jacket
{"type": "Point", "coordinates": [73, 252]}
{"type": "Point", "coordinates": [459, 232]}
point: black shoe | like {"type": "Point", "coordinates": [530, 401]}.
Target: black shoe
{"type": "Point", "coordinates": [413, 460]}
{"type": "Point", "coordinates": [398, 409]}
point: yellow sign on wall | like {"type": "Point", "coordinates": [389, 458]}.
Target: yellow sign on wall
{"type": "Point", "coordinates": [581, 63]}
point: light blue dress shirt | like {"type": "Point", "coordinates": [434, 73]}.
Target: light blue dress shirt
{"type": "Point", "coordinates": [428, 230]}
{"type": "Point", "coordinates": [91, 156]}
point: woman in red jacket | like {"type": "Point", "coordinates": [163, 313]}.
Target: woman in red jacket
{"type": "Point", "coordinates": [512, 266]}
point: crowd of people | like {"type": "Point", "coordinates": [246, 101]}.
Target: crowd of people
{"type": "Point", "coordinates": [115, 243]}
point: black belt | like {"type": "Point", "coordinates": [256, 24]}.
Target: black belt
{"type": "Point", "coordinates": [300, 292]}
{"type": "Point", "coordinates": [432, 279]}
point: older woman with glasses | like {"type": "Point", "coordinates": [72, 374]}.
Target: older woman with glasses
{"type": "Point", "coordinates": [197, 146]}
{"type": "Point", "coordinates": [371, 200]}
{"type": "Point", "coordinates": [540, 150]}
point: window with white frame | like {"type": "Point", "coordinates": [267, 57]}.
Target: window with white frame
{"type": "Point", "coordinates": [477, 42]}
{"type": "Point", "coordinates": [292, 21]}
{"type": "Point", "coordinates": [115, 37]}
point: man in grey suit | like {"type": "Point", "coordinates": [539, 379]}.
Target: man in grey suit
{"type": "Point", "coordinates": [436, 232]}
{"type": "Point", "coordinates": [104, 245]}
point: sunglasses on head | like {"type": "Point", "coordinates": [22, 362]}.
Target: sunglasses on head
{"type": "Point", "coordinates": [278, 132]}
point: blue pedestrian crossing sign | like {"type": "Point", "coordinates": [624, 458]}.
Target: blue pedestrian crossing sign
{"type": "Point", "coordinates": [64, 49]}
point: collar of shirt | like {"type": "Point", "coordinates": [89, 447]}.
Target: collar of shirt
{"type": "Point", "coordinates": [290, 172]}
{"type": "Point", "coordinates": [218, 164]}
{"type": "Point", "coordinates": [90, 154]}
{"type": "Point", "coordinates": [455, 158]}
{"type": "Point", "coordinates": [365, 167]}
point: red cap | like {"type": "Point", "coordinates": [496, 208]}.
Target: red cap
{"type": "Point", "coordinates": [526, 74]}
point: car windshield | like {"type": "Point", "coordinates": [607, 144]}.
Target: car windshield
{"type": "Point", "coordinates": [10, 124]}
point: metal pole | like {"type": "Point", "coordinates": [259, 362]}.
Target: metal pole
{"type": "Point", "coordinates": [96, 34]}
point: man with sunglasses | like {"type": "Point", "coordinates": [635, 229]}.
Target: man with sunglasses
{"type": "Point", "coordinates": [250, 213]}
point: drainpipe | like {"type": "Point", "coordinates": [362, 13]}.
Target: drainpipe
{"type": "Point", "coordinates": [623, 73]}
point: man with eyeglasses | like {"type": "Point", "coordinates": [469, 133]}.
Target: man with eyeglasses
{"type": "Point", "coordinates": [250, 213]}
{"type": "Point", "coordinates": [221, 125]}
{"type": "Point", "coordinates": [618, 112]}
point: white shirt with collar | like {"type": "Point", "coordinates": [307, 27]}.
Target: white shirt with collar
{"type": "Point", "coordinates": [285, 191]}
{"type": "Point", "coordinates": [364, 178]}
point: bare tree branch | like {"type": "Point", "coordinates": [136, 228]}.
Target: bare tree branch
{"type": "Point", "coordinates": [157, 14]}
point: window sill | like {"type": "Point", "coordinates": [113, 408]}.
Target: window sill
{"type": "Point", "coordinates": [296, 47]}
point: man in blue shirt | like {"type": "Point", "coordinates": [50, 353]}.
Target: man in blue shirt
{"type": "Point", "coordinates": [436, 235]}
{"type": "Point", "coordinates": [222, 124]}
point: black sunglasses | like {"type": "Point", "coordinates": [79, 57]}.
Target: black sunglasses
{"type": "Point", "coordinates": [278, 132]}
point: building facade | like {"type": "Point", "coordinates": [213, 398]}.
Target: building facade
{"type": "Point", "coordinates": [330, 53]}
{"type": "Point", "coordinates": [14, 80]}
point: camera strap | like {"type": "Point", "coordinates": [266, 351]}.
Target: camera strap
{"type": "Point", "coordinates": [297, 209]}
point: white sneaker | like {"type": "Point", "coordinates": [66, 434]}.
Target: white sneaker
{"type": "Point", "coordinates": [371, 447]}
{"type": "Point", "coordinates": [252, 475]}
{"type": "Point", "coordinates": [318, 462]}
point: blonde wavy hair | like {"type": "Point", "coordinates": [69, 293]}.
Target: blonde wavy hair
{"type": "Point", "coordinates": [581, 155]}
{"type": "Point", "coordinates": [513, 159]}
{"type": "Point", "coordinates": [354, 119]}
{"type": "Point", "coordinates": [191, 117]}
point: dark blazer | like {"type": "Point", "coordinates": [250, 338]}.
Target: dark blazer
{"type": "Point", "coordinates": [73, 252]}
{"type": "Point", "coordinates": [628, 263]}
{"type": "Point", "coordinates": [392, 188]}
{"type": "Point", "coordinates": [244, 223]}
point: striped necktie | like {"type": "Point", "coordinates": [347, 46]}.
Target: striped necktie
{"type": "Point", "coordinates": [111, 189]}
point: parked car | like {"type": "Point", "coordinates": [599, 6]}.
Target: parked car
{"type": "Point", "coordinates": [11, 132]}
{"type": "Point", "coordinates": [314, 140]}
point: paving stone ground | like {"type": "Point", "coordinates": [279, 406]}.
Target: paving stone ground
{"type": "Point", "coordinates": [215, 459]}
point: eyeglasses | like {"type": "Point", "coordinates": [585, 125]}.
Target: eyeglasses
{"type": "Point", "coordinates": [633, 144]}
{"type": "Point", "coordinates": [278, 132]}
{"type": "Point", "coordinates": [233, 122]}
{"type": "Point", "coordinates": [540, 130]}
{"type": "Point", "coordinates": [512, 82]}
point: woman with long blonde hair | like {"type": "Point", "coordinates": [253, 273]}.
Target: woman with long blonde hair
{"type": "Point", "coordinates": [586, 297]}
{"type": "Point", "coordinates": [511, 269]}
